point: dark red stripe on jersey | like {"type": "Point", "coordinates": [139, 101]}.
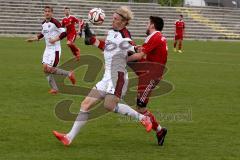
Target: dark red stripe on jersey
{"type": "Point", "coordinates": [40, 35]}
{"type": "Point", "coordinates": [57, 24]}
{"type": "Point", "coordinates": [126, 34]}
{"type": "Point", "coordinates": [56, 59]}
{"type": "Point", "coordinates": [62, 35]}
{"type": "Point", "coordinates": [119, 85]}
{"type": "Point", "coordinates": [43, 21]}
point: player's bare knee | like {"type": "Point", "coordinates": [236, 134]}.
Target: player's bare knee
{"type": "Point", "coordinates": [110, 102]}
{"type": "Point", "coordinates": [48, 69]}
{"type": "Point", "coordinates": [109, 107]}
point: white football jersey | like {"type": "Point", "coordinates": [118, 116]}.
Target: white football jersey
{"type": "Point", "coordinates": [116, 53]}
{"type": "Point", "coordinates": [51, 29]}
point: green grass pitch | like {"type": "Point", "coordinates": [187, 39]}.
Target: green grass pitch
{"type": "Point", "coordinates": [202, 113]}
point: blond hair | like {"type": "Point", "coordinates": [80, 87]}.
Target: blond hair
{"type": "Point", "coordinates": [125, 12]}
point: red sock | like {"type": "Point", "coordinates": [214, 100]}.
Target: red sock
{"type": "Point", "coordinates": [153, 119]}
{"type": "Point", "coordinates": [74, 49]}
{"type": "Point", "coordinates": [175, 44]}
{"type": "Point", "coordinates": [180, 45]}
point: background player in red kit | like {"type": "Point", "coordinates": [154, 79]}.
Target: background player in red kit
{"type": "Point", "coordinates": [152, 59]}
{"type": "Point", "coordinates": [69, 22]}
{"type": "Point", "coordinates": [179, 32]}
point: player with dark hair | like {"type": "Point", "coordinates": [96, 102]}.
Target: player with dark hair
{"type": "Point", "coordinates": [69, 22]}
{"type": "Point", "coordinates": [152, 58]}
{"type": "Point", "coordinates": [52, 32]}
{"type": "Point", "coordinates": [179, 33]}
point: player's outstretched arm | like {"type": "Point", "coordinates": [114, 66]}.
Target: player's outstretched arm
{"type": "Point", "coordinates": [32, 39]}
{"type": "Point", "coordinates": [136, 56]}
{"type": "Point", "coordinates": [90, 38]}
{"type": "Point", "coordinates": [35, 38]}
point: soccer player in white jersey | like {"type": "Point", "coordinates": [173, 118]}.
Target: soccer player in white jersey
{"type": "Point", "coordinates": [52, 32]}
{"type": "Point", "coordinates": [114, 82]}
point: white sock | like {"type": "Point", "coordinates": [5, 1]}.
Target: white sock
{"type": "Point", "coordinates": [126, 110]}
{"type": "Point", "coordinates": [158, 128]}
{"type": "Point", "coordinates": [80, 121]}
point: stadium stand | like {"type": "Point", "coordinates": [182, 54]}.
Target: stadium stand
{"type": "Point", "coordinates": [22, 17]}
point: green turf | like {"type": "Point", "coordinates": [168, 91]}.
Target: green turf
{"type": "Point", "coordinates": [202, 112]}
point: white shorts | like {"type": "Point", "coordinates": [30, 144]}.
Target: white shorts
{"type": "Point", "coordinates": [115, 86]}
{"type": "Point", "coordinates": [51, 56]}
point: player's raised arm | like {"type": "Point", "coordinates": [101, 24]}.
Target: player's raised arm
{"type": "Point", "coordinates": [35, 38]}
{"type": "Point", "coordinates": [90, 38]}
{"type": "Point", "coordinates": [136, 56]}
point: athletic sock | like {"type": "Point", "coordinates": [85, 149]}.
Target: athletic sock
{"type": "Point", "coordinates": [51, 81]}
{"type": "Point", "coordinates": [158, 128]}
{"type": "Point", "coordinates": [180, 46]}
{"type": "Point", "coordinates": [59, 71]}
{"type": "Point", "coordinates": [175, 44]}
{"type": "Point", "coordinates": [126, 110]}
{"type": "Point", "coordinates": [74, 49]}
{"type": "Point", "coordinates": [80, 121]}
{"type": "Point", "coordinates": [155, 124]}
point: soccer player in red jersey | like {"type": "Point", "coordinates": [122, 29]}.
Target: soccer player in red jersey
{"type": "Point", "coordinates": [69, 22]}
{"type": "Point", "coordinates": [152, 58]}
{"type": "Point", "coordinates": [179, 32]}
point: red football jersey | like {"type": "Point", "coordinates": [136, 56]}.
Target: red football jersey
{"type": "Point", "coordinates": [155, 48]}
{"type": "Point", "coordinates": [69, 23]}
{"type": "Point", "coordinates": [180, 25]}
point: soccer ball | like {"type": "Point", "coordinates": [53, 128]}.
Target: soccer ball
{"type": "Point", "coordinates": [96, 16]}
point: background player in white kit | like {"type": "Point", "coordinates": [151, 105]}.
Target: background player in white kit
{"type": "Point", "coordinates": [114, 82]}
{"type": "Point", "coordinates": [52, 32]}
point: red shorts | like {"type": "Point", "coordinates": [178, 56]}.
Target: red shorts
{"type": "Point", "coordinates": [71, 37]}
{"type": "Point", "coordinates": [149, 75]}
{"type": "Point", "coordinates": [178, 36]}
